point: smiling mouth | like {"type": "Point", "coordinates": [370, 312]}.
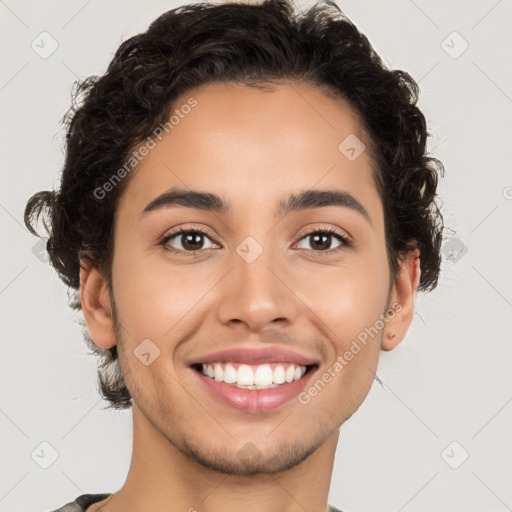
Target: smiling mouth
{"type": "Point", "coordinates": [252, 376]}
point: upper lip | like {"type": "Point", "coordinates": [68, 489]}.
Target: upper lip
{"type": "Point", "coordinates": [254, 356]}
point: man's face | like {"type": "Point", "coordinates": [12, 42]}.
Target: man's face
{"type": "Point", "coordinates": [258, 280]}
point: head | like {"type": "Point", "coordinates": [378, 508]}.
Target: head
{"type": "Point", "coordinates": [250, 104]}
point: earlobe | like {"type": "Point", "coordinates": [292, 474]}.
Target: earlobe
{"type": "Point", "coordinates": [96, 305]}
{"type": "Point", "coordinates": [402, 301]}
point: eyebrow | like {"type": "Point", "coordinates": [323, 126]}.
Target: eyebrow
{"type": "Point", "coordinates": [296, 202]}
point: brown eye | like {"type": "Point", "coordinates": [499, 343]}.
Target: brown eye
{"type": "Point", "coordinates": [187, 240]}
{"type": "Point", "coordinates": [322, 240]}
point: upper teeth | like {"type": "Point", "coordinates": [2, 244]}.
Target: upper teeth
{"type": "Point", "coordinates": [253, 377]}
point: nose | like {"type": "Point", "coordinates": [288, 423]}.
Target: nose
{"type": "Point", "coordinates": [257, 294]}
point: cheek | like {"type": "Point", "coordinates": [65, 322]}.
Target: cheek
{"type": "Point", "coordinates": [353, 310]}
{"type": "Point", "coordinates": [349, 301]}
{"type": "Point", "coordinates": [357, 311]}
{"type": "Point", "coordinates": [353, 313]}
{"type": "Point", "coordinates": [152, 299]}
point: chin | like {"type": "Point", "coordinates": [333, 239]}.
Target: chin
{"type": "Point", "coordinates": [250, 459]}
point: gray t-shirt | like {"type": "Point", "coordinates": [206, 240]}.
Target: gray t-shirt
{"type": "Point", "coordinates": [85, 500]}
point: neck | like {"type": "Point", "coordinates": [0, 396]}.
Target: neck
{"type": "Point", "coordinates": [162, 478]}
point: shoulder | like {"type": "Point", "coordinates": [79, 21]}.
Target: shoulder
{"type": "Point", "coordinates": [82, 503]}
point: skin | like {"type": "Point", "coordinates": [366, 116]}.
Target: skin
{"type": "Point", "coordinates": [253, 148]}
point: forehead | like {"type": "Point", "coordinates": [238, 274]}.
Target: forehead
{"type": "Point", "coordinates": [241, 143]}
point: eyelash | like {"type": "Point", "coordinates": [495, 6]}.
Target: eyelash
{"type": "Point", "coordinates": [345, 242]}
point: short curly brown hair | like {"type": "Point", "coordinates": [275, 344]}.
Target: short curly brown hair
{"type": "Point", "coordinates": [249, 44]}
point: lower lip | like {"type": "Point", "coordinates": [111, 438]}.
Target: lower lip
{"type": "Point", "coordinates": [255, 400]}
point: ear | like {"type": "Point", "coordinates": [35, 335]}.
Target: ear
{"type": "Point", "coordinates": [96, 305]}
{"type": "Point", "coordinates": [402, 293]}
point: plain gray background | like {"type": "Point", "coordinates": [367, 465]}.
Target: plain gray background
{"type": "Point", "coordinates": [449, 381]}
